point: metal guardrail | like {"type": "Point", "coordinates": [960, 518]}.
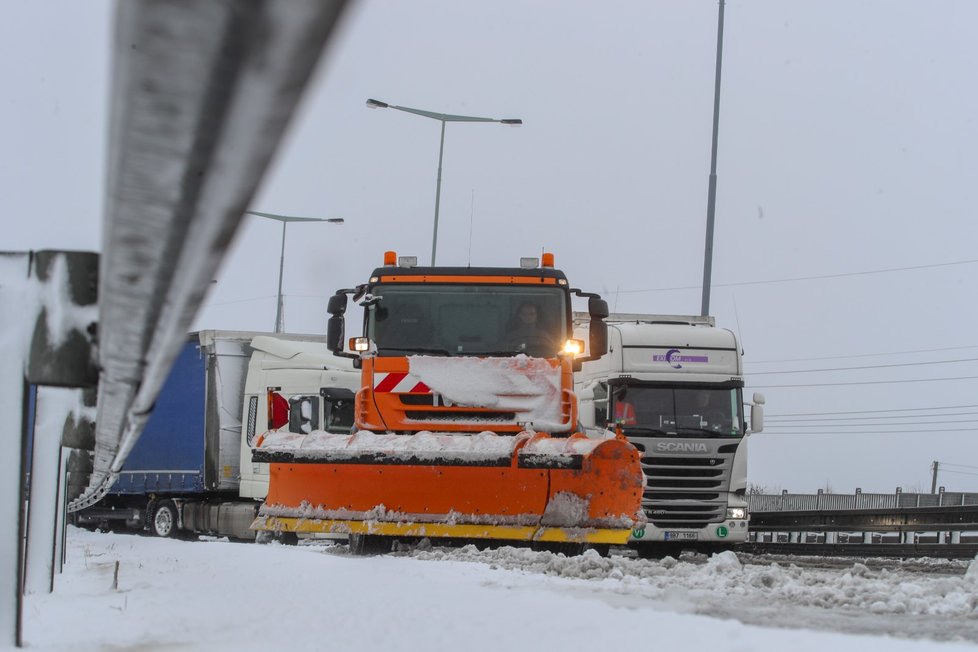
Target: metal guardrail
{"type": "Point", "coordinates": [890, 550]}
{"type": "Point", "coordinates": [202, 93]}
{"type": "Point", "coordinates": [786, 502]}
{"type": "Point", "coordinates": [900, 524]}
{"type": "Point", "coordinates": [895, 519]}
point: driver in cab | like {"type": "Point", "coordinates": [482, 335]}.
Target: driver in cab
{"type": "Point", "coordinates": [526, 334]}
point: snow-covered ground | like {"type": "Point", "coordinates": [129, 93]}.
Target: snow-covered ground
{"type": "Point", "coordinates": [134, 592]}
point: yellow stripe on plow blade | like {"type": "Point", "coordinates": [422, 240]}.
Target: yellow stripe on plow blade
{"type": "Point", "coordinates": [444, 530]}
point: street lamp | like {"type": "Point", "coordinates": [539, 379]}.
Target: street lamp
{"type": "Point", "coordinates": [711, 194]}
{"type": "Point", "coordinates": [443, 118]}
{"type": "Point", "coordinates": [285, 219]}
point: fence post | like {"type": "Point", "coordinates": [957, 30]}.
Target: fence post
{"type": "Point", "coordinates": [61, 356]}
{"type": "Point", "coordinates": [17, 310]}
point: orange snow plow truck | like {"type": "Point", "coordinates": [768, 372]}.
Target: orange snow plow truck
{"type": "Point", "coordinates": [466, 419]}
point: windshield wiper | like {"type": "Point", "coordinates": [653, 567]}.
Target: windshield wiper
{"type": "Point", "coordinates": [707, 431]}
{"type": "Point", "coordinates": [647, 429]}
{"type": "Point", "coordinates": [408, 350]}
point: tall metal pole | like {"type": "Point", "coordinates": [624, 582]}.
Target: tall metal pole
{"type": "Point", "coordinates": [933, 480]}
{"type": "Point", "coordinates": [279, 327]}
{"type": "Point", "coordinates": [712, 197]}
{"type": "Point", "coordinates": [285, 219]}
{"type": "Point", "coordinates": [434, 235]}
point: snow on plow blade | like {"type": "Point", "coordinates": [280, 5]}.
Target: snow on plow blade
{"type": "Point", "coordinates": [529, 487]}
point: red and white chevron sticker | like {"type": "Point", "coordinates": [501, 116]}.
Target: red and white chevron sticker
{"type": "Point", "coordinates": [399, 382]}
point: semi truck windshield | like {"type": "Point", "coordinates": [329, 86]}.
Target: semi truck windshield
{"type": "Point", "coordinates": [687, 411]}
{"type": "Point", "coordinates": [467, 320]}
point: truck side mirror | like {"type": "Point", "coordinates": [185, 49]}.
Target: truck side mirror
{"type": "Point", "coordinates": [337, 305]}
{"type": "Point", "coordinates": [598, 338]}
{"type": "Point", "coordinates": [335, 331]}
{"type": "Point", "coordinates": [757, 413]}
{"type": "Point", "coordinates": [597, 308]}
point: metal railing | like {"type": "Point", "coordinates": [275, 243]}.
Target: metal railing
{"type": "Point", "coordinates": [786, 502]}
{"type": "Point", "coordinates": [901, 524]}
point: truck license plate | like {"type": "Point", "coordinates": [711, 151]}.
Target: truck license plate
{"type": "Point", "coordinates": [680, 536]}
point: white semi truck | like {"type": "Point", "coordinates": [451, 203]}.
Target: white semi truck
{"type": "Point", "coordinates": [191, 469]}
{"type": "Point", "coordinates": [674, 386]}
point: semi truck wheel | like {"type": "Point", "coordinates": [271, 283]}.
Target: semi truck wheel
{"type": "Point", "coordinates": [163, 519]}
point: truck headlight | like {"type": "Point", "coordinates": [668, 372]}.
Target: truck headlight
{"type": "Point", "coordinates": [573, 347]}
{"type": "Point", "coordinates": [737, 513]}
{"type": "Point", "coordinates": [360, 344]}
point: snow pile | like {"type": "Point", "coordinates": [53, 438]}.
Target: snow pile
{"type": "Point", "coordinates": [131, 592]}
{"type": "Point", "coordinates": [566, 509]}
{"type": "Point", "coordinates": [426, 446]}
{"type": "Point", "coordinates": [381, 514]}
{"type": "Point", "coordinates": [530, 387]}
{"type": "Point", "coordinates": [884, 591]}
{"type": "Point", "coordinates": [423, 446]}
{"type": "Point", "coordinates": [562, 446]}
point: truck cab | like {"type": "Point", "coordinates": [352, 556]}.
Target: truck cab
{"type": "Point", "coordinates": [298, 386]}
{"type": "Point", "coordinates": [431, 327]}
{"type": "Point", "coordinates": [673, 385]}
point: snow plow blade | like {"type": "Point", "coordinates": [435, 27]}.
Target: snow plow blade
{"type": "Point", "coordinates": [527, 487]}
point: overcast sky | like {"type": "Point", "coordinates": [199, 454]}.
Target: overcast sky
{"type": "Point", "coordinates": [847, 147]}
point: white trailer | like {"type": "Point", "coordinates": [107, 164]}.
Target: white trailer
{"type": "Point", "coordinates": [674, 386]}
{"type": "Point", "coordinates": [192, 468]}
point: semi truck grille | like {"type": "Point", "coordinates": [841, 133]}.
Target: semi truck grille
{"type": "Point", "coordinates": [682, 461]}
{"type": "Point", "coordinates": [683, 490]}
{"type": "Point", "coordinates": [685, 483]}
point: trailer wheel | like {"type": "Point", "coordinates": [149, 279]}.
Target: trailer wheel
{"type": "Point", "coordinates": [163, 519]}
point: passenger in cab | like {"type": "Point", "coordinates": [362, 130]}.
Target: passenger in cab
{"type": "Point", "coordinates": [624, 411]}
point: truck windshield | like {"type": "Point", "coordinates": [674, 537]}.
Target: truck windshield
{"type": "Point", "coordinates": [686, 411]}
{"type": "Point", "coordinates": [467, 320]}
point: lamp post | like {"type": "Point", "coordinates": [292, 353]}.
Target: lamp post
{"type": "Point", "coordinates": [285, 219]}
{"type": "Point", "coordinates": [711, 200]}
{"type": "Point", "coordinates": [443, 118]}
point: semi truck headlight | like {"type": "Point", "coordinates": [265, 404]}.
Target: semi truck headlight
{"type": "Point", "coordinates": [736, 512]}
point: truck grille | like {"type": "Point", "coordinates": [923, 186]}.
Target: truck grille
{"type": "Point", "coordinates": [457, 415]}
{"type": "Point", "coordinates": [424, 409]}
{"type": "Point", "coordinates": [683, 490]}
